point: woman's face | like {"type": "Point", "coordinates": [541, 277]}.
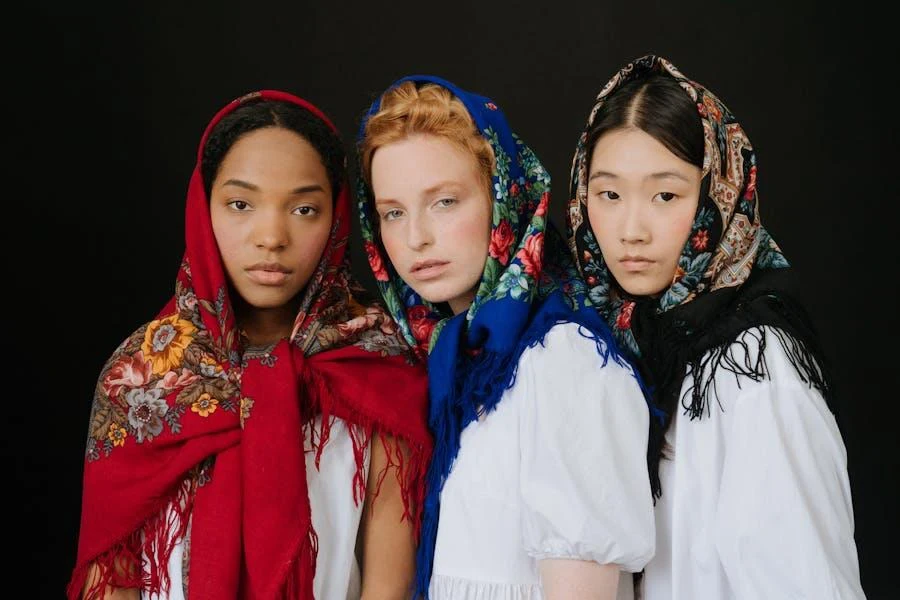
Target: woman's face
{"type": "Point", "coordinates": [271, 211]}
{"type": "Point", "coordinates": [641, 203]}
{"type": "Point", "coordinates": [434, 212]}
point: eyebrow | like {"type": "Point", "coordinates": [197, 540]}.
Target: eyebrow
{"type": "Point", "coordinates": [440, 185]}
{"type": "Point", "coordinates": [426, 192]}
{"type": "Point", "coordinates": [304, 189]}
{"type": "Point", "coordinates": [659, 175]}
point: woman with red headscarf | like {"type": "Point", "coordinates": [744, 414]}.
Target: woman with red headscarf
{"type": "Point", "coordinates": [238, 441]}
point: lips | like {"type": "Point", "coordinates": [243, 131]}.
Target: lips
{"type": "Point", "coordinates": [635, 263]}
{"type": "Point", "coordinates": [428, 269]}
{"type": "Point", "coordinates": [268, 273]}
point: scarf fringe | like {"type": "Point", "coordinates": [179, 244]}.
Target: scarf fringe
{"type": "Point", "coordinates": [409, 460]}
{"type": "Point", "coordinates": [805, 357]}
{"type": "Point", "coordinates": [755, 368]}
{"type": "Point", "coordinates": [298, 583]}
{"type": "Point", "coordinates": [488, 375]}
{"type": "Point", "coordinates": [140, 561]}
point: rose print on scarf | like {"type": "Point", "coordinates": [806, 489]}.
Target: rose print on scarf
{"type": "Point", "coordinates": [531, 254]}
{"type": "Point", "coordinates": [623, 321]}
{"type": "Point", "coordinates": [375, 262]}
{"type": "Point", "coordinates": [129, 371]}
{"type": "Point", "coordinates": [502, 238]}
{"type": "Point", "coordinates": [420, 323]}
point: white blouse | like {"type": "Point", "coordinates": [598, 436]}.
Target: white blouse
{"type": "Point", "coordinates": [335, 517]}
{"type": "Point", "coordinates": [756, 499]}
{"type": "Point", "coordinates": [557, 470]}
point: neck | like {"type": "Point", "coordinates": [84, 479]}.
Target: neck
{"type": "Point", "coordinates": [264, 326]}
{"type": "Point", "coordinates": [461, 303]}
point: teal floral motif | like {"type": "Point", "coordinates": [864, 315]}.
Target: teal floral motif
{"type": "Point", "coordinates": [513, 282]}
{"type": "Point", "coordinates": [770, 257]}
{"type": "Point", "coordinates": [692, 270]}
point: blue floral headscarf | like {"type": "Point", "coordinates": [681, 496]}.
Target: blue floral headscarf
{"type": "Point", "coordinates": [528, 285]}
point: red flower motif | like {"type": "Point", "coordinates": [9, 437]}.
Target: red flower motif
{"type": "Point", "coordinates": [491, 105]}
{"type": "Point", "coordinates": [501, 240]}
{"type": "Point", "coordinates": [542, 206]}
{"type": "Point", "coordinates": [623, 321]}
{"type": "Point", "coordinates": [172, 380]}
{"type": "Point", "coordinates": [420, 324]}
{"type": "Point", "coordinates": [700, 240]}
{"type": "Point", "coordinates": [514, 189]}
{"type": "Point", "coordinates": [374, 316]}
{"type": "Point", "coordinates": [592, 281]}
{"type": "Point", "coordinates": [375, 262]}
{"type": "Point", "coordinates": [356, 324]}
{"type": "Point", "coordinates": [128, 371]}
{"type": "Point", "coordinates": [532, 254]}
{"type": "Point", "coordinates": [751, 184]}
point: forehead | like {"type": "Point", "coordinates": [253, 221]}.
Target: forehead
{"type": "Point", "coordinates": [272, 151]}
{"type": "Point", "coordinates": [418, 162]}
{"type": "Point", "coordinates": [633, 152]}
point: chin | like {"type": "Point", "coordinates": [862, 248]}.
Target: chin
{"type": "Point", "coordinates": [267, 302]}
{"type": "Point", "coordinates": [440, 292]}
{"type": "Point", "coordinates": [641, 288]}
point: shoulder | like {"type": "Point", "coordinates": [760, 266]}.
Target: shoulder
{"type": "Point", "coordinates": [568, 348]}
{"type": "Point", "coordinates": [772, 353]}
{"type": "Point", "coordinates": [766, 363]}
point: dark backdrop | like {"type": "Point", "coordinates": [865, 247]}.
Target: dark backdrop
{"type": "Point", "coordinates": [117, 98]}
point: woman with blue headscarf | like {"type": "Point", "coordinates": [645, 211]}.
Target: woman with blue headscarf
{"type": "Point", "coordinates": [538, 484]}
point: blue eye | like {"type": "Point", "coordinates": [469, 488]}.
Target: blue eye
{"type": "Point", "coordinates": [392, 214]}
{"type": "Point", "coordinates": [445, 202]}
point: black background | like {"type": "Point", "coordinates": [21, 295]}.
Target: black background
{"type": "Point", "coordinates": [112, 102]}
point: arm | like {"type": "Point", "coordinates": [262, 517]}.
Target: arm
{"type": "Point", "coordinates": [108, 593]}
{"type": "Point", "coordinates": [578, 580]}
{"type": "Point", "coordinates": [388, 544]}
{"type": "Point", "coordinates": [587, 507]}
{"type": "Point", "coordinates": [784, 521]}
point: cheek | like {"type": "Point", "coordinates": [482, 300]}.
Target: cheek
{"type": "Point", "coordinates": [602, 225]}
{"type": "Point", "coordinates": [311, 243]}
{"type": "Point", "coordinates": [470, 230]}
{"type": "Point", "coordinates": [392, 240]}
{"type": "Point", "coordinates": [679, 231]}
{"type": "Point", "coordinates": [228, 239]}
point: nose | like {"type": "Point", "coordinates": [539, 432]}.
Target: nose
{"type": "Point", "coordinates": [271, 231]}
{"type": "Point", "coordinates": [419, 233]}
{"type": "Point", "coordinates": [634, 226]}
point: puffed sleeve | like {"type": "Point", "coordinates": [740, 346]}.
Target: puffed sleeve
{"type": "Point", "coordinates": [583, 431]}
{"type": "Point", "coordinates": [784, 520]}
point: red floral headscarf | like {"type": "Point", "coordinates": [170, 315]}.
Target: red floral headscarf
{"type": "Point", "coordinates": [189, 427]}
